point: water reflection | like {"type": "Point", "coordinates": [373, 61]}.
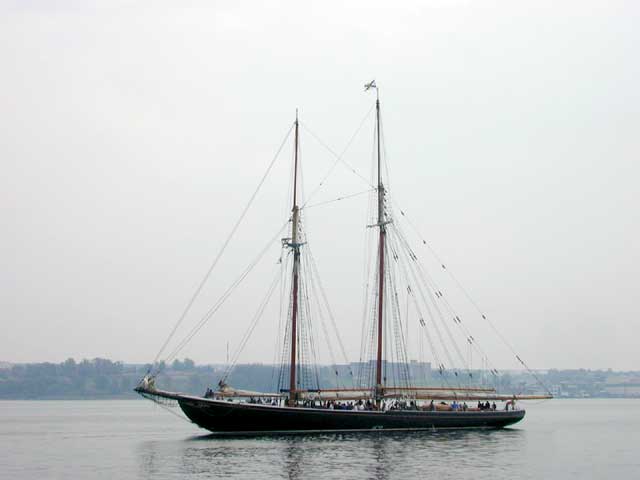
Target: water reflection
{"type": "Point", "coordinates": [373, 455]}
{"type": "Point", "coordinates": [380, 453]}
{"type": "Point", "coordinates": [294, 458]}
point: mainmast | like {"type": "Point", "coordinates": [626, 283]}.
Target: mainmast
{"type": "Point", "coordinates": [381, 253]}
{"type": "Point", "coordinates": [295, 245]}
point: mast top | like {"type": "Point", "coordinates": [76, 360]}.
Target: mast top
{"type": "Point", "coordinates": [295, 165]}
{"type": "Point", "coordinates": [367, 87]}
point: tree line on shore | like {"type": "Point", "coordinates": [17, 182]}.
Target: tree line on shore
{"type": "Point", "coordinates": [103, 378]}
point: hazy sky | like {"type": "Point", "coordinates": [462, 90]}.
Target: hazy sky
{"type": "Point", "coordinates": [132, 134]}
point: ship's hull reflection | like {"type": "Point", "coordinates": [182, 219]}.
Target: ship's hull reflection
{"type": "Point", "coordinates": [342, 455]}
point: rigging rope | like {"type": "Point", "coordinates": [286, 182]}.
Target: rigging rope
{"type": "Point", "coordinates": [316, 275]}
{"type": "Point", "coordinates": [345, 197]}
{"type": "Point", "coordinates": [220, 253]}
{"type": "Point", "coordinates": [307, 335]}
{"type": "Point", "coordinates": [225, 295]}
{"type": "Point", "coordinates": [431, 284]}
{"type": "Point", "coordinates": [337, 156]}
{"type": "Point", "coordinates": [433, 295]}
{"type": "Point", "coordinates": [409, 273]}
{"type": "Point", "coordinates": [254, 322]}
{"type": "Point", "coordinates": [472, 301]}
{"type": "Point", "coordinates": [169, 408]}
{"type": "Point", "coordinates": [283, 284]}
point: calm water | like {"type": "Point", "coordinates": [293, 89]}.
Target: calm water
{"type": "Point", "coordinates": [136, 439]}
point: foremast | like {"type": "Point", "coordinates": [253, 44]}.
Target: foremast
{"type": "Point", "coordinates": [295, 246]}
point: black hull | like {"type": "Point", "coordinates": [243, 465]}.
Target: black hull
{"type": "Point", "coordinates": [226, 417]}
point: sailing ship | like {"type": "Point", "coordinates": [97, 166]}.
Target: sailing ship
{"type": "Point", "coordinates": [372, 402]}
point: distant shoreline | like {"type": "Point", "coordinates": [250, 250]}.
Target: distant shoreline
{"type": "Point", "coordinates": [103, 379]}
